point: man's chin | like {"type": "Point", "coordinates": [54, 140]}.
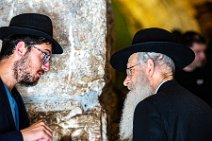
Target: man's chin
{"type": "Point", "coordinates": [29, 83]}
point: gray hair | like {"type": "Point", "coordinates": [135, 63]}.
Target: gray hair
{"type": "Point", "coordinates": [159, 59]}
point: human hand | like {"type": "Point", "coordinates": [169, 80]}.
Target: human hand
{"type": "Point", "coordinates": [38, 131]}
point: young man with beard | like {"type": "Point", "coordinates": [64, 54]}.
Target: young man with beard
{"type": "Point", "coordinates": [157, 108]}
{"type": "Point", "coordinates": [27, 45]}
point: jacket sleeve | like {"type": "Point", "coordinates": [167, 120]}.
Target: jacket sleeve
{"type": "Point", "coordinates": [147, 124]}
{"type": "Point", "coordinates": [11, 136]}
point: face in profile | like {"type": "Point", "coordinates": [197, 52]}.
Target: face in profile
{"type": "Point", "coordinates": [29, 69]}
{"type": "Point", "coordinates": [140, 88]}
{"type": "Point", "coordinates": [200, 56]}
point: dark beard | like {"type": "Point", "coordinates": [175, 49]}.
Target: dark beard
{"type": "Point", "coordinates": [22, 74]}
{"type": "Point", "coordinates": [26, 81]}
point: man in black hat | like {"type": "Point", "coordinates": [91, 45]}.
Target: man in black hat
{"type": "Point", "coordinates": [27, 45]}
{"type": "Point", "coordinates": [157, 108]}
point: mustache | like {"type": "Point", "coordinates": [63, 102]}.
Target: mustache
{"type": "Point", "coordinates": [41, 71]}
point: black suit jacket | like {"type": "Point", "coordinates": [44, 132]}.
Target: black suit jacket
{"type": "Point", "coordinates": [8, 130]}
{"type": "Point", "coordinates": [173, 114]}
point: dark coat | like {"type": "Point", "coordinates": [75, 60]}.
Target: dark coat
{"type": "Point", "coordinates": [198, 82]}
{"type": "Point", "coordinates": [8, 130]}
{"type": "Point", "coordinates": [172, 114]}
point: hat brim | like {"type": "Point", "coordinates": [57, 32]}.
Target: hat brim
{"type": "Point", "coordinates": [181, 55]}
{"type": "Point", "coordinates": [9, 31]}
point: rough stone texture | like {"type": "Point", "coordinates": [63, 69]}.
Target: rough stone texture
{"type": "Point", "coordinates": [110, 99]}
{"type": "Point", "coordinates": [67, 96]}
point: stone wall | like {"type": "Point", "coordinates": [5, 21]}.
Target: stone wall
{"type": "Point", "coordinates": [67, 97]}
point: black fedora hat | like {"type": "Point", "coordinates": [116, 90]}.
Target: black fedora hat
{"type": "Point", "coordinates": [154, 40]}
{"type": "Point", "coordinates": [32, 24]}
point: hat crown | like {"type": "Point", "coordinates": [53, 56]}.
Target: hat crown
{"type": "Point", "coordinates": [153, 35]}
{"type": "Point", "coordinates": [32, 24]}
{"type": "Point", "coordinates": [34, 21]}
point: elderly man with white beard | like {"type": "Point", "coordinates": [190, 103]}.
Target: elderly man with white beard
{"type": "Point", "coordinates": [157, 108]}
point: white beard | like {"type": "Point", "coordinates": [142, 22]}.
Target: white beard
{"type": "Point", "coordinates": [141, 91]}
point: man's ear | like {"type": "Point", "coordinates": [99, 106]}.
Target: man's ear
{"type": "Point", "coordinates": [20, 48]}
{"type": "Point", "coordinates": [150, 68]}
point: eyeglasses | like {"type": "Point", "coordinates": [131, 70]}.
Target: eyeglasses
{"type": "Point", "coordinates": [46, 56]}
{"type": "Point", "coordinates": [129, 70]}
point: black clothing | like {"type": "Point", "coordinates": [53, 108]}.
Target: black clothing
{"type": "Point", "coordinates": [8, 130]}
{"type": "Point", "coordinates": [172, 114]}
{"type": "Point", "coordinates": [197, 82]}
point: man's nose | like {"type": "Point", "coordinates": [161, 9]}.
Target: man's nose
{"type": "Point", "coordinates": [203, 56]}
{"type": "Point", "coordinates": [126, 81]}
{"type": "Point", "coordinates": [46, 67]}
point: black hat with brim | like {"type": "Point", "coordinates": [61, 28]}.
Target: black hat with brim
{"type": "Point", "coordinates": [32, 24]}
{"type": "Point", "coordinates": [154, 40]}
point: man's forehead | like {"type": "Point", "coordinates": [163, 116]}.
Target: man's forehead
{"type": "Point", "coordinates": [133, 59]}
{"type": "Point", "coordinates": [46, 46]}
{"type": "Point", "coordinates": [199, 46]}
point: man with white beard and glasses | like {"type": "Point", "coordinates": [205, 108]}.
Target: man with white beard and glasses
{"type": "Point", "coordinates": [157, 108]}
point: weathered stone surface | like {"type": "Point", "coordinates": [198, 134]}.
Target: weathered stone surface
{"type": "Point", "coordinates": [73, 124]}
{"type": "Point", "coordinates": [67, 96]}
